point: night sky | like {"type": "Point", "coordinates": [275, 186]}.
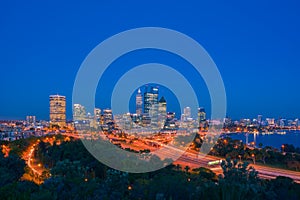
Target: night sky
{"type": "Point", "coordinates": [255, 44]}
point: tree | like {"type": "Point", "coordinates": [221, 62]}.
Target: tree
{"type": "Point", "coordinates": [284, 188]}
{"type": "Point", "coordinates": [178, 167]}
{"type": "Point", "coordinates": [265, 154]}
{"type": "Point", "coordinates": [11, 169]}
{"type": "Point", "coordinates": [233, 171]}
{"type": "Point", "coordinates": [187, 168]}
{"type": "Point", "coordinates": [239, 181]}
{"type": "Point", "coordinates": [205, 173]}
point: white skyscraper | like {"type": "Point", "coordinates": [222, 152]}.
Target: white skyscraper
{"type": "Point", "coordinates": [139, 103]}
{"type": "Point", "coordinates": [187, 113]}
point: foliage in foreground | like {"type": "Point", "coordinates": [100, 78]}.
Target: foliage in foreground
{"type": "Point", "coordinates": [79, 176]}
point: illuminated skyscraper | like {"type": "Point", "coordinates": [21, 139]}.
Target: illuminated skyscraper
{"type": "Point", "coordinates": [107, 115]}
{"type": "Point", "coordinates": [139, 103]}
{"type": "Point", "coordinates": [79, 112]}
{"type": "Point", "coordinates": [162, 112]}
{"type": "Point", "coordinates": [151, 105]}
{"type": "Point", "coordinates": [201, 115]}
{"type": "Point", "coordinates": [186, 113]}
{"type": "Point", "coordinates": [162, 106]}
{"type": "Point", "coordinates": [202, 118]}
{"type": "Point", "coordinates": [57, 110]}
{"type": "Point", "coordinates": [97, 114]}
{"type": "Point", "coordinates": [96, 119]}
{"type": "Point", "coordinates": [150, 99]}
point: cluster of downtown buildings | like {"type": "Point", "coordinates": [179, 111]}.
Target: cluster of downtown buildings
{"type": "Point", "coordinates": [150, 113]}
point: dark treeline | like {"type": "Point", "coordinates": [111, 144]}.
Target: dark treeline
{"type": "Point", "coordinates": [75, 174]}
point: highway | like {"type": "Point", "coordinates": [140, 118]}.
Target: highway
{"type": "Point", "coordinates": [194, 160]}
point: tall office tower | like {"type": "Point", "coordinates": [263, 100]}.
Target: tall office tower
{"type": "Point", "coordinates": [139, 103]}
{"type": "Point", "coordinates": [187, 113]}
{"type": "Point", "coordinates": [97, 114]}
{"type": "Point", "coordinates": [30, 120]}
{"type": "Point", "coordinates": [150, 99]}
{"type": "Point", "coordinates": [151, 105]}
{"type": "Point", "coordinates": [79, 112]}
{"type": "Point", "coordinates": [107, 116]}
{"type": "Point", "coordinates": [57, 110]}
{"type": "Point", "coordinates": [162, 112]}
{"type": "Point", "coordinates": [162, 106]}
{"type": "Point", "coordinates": [202, 118]}
{"type": "Point", "coordinates": [201, 115]}
{"type": "Point", "coordinates": [95, 122]}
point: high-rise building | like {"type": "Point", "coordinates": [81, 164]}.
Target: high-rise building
{"type": "Point", "coordinates": [162, 112]}
{"type": "Point", "coordinates": [79, 112]}
{"type": "Point", "coordinates": [186, 113]}
{"type": "Point", "coordinates": [57, 110]}
{"type": "Point", "coordinates": [108, 116]}
{"type": "Point", "coordinates": [150, 99]}
{"type": "Point", "coordinates": [151, 105]}
{"type": "Point", "coordinates": [97, 114]}
{"type": "Point", "coordinates": [162, 106]}
{"type": "Point", "coordinates": [201, 115]}
{"type": "Point", "coordinates": [139, 103]}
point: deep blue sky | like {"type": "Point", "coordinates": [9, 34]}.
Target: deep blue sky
{"type": "Point", "coordinates": [255, 44]}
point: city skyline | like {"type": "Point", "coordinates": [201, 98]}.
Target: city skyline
{"type": "Point", "coordinates": [80, 113]}
{"type": "Point", "coordinates": [149, 100]}
{"type": "Point", "coordinates": [257, 54]}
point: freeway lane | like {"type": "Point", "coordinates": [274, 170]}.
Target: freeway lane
{"type": "Point", "coordinates": [195, 161]}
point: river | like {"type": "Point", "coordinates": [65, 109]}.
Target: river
{"type": "Point", "coordinates": [274, 140]}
